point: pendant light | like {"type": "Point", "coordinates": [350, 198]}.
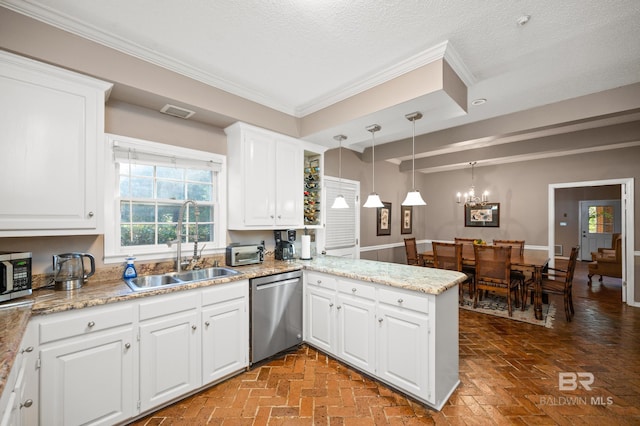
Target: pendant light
{"type": "Point", "coordinates": [373, 200]}
{"type": "Point", "coordinates": [340, 202]}
{"type": "Point", "coordinates": [413, 197]}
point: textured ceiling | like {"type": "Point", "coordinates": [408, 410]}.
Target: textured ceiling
{"type": "Point", "coordinates": [298, 56]}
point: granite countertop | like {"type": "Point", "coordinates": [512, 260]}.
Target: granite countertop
{"type": "Point", "coordinates": [15, 316]}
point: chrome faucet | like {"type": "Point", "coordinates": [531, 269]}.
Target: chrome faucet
{"type": "Point", "coordinates": [178, 239]}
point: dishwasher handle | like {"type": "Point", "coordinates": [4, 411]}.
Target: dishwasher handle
{"type": "Point", "coordinates": [276, 284]}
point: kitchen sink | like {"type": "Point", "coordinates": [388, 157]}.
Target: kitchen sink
{"type": "Point", "coordinates": [150, 282]}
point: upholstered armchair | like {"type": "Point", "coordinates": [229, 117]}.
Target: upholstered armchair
{"type": "Point", "coordinates": [607, 262]}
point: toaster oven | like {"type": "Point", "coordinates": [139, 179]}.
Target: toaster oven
{"type": "Point", "coordinates": [244, 254]}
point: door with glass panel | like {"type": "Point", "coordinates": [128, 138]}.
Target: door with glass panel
{"type": "Point", "coordinates": [599, 219]}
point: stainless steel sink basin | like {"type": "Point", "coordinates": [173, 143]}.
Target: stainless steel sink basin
{"type": "Point", "coordinates": [206, 274]}
{"type": "Point", "coordinates": [150, 282]}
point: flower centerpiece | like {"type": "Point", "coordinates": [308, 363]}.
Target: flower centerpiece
{"type": "Point", "coordinates": [479, 242]}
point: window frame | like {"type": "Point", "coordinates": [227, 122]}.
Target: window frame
{"type": "Point", "coordinates": [113, 251]}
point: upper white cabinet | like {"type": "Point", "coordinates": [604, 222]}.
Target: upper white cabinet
{"type": "Point", "coordinates": [51, 122]}
{"type": "Point", "coordinates": [266, 178]}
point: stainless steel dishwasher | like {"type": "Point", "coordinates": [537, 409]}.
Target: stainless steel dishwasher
{"type": "Point", "coordinates": [276, 314]}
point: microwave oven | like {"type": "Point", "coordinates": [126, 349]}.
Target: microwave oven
{"type": "Point", "coordinates": [15, 275]}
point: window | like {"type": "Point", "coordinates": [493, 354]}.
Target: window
{"type": "Point", "coordinates": [601, 219]}
{"type": "Point", "coordinates": [148, 187]}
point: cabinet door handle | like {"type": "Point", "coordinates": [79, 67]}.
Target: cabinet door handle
{"type": "Point", "coordinates": [28, 349]}
{"type": "Point", "coordinates": [193, 327]}
{"type": "Point", "coordinates": [28, 403]}
{"type": "Point", "coordinates": [400, 300]}
{"type": "Point", "coordinates": [354, 289]}
{"type": "Point", "coordinates": [91, 214]}
{"type": "Point", "coordinates": [380, 320]}
{"type": "Point", "coordinates": [207, 323]}
{"type": "Point", "coordinates": [339, 307]}
{"type": "Point", "coordinates": [90, 324]}
{"type": "Point", "coordinates": [319, 281]}
{"type": "Point", "coordinates": [127, 345]}
{"type": "Point", "coordinates": [331, 305]}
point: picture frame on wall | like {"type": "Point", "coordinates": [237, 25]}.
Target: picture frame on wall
{"type": "Point", "coordinates": [487, 216]}
{"type": "Point", "coordinates": [383, 219]}
{"type": "Point", "coordinates": [406, 219]}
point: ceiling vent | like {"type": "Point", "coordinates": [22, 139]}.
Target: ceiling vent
{"type": "Point", "coordinates": [176, 111]}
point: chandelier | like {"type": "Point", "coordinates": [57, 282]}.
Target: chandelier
{"type": "Point", "coordinates": [470, 198]}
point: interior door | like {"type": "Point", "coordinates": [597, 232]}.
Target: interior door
{"type": "Point", "coordinates": [343, 225]}
{"type": "Point", "coordinates": [598, 220]}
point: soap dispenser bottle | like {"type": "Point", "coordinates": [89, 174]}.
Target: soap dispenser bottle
{"type": "Point", "coordinates": [130, 269]}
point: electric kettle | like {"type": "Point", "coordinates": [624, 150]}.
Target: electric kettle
{"type": "Point", "coordinates": [69, 270]}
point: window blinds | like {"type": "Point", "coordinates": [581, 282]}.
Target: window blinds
{"type": "Point", "coordinates": [341, 232]}
{"type": "Point", "coordinates": [125, 153]}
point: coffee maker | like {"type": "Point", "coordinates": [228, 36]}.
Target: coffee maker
{"type": "Point", "coordinates": [285, 249]}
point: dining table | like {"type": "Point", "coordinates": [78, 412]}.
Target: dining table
{"type": "Point", "coordinates": [532, 262]}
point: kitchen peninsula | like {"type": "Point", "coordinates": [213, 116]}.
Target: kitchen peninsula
{"type": "Point", "coordinates": [410, 315]}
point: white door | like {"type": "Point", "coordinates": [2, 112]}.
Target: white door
{"type": "Point", "coordinates": [343, 225]}
{"type": "Point", "coordinates": [320, 322]}
{"type": "Point", "coordinates": [356, 331]}
{"type": "Point", "coordinates": [88, 381]}
{"type": "Point", "coordinates": [168, 358]}
{"type": "Point", "coordinates": [598, 220]}
{"type": "Point", "coordinates": [225, 340]}
{"type": "Point", "coordinates": [403, 349]}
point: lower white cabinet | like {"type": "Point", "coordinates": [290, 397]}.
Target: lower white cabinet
{"type": "Point", "coordinates": [169, 348]}
{"type": "Point", "coordinates": [356, 310]}
{"type": "Point", "coordinates": [104, 365]}
{"type": "Point", "coordinates": [406, 339]}
{"type": "Point", "coordinates": [87, 366]}
{"type": "Point", "coordinates": [320, 311]}
{"type": "Point", "coordinates": [225, 331]}
{"type": "Point", "coordinates": [19, 402]}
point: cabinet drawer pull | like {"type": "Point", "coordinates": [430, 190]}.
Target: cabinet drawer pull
{"type": "Point", "coordinates": [319, 281]}
{"type": "Point", "coordinates": [354, 289]}
{"type": "Point", "coordinates": [91, 214]}
{"type": "Point", "coordinates": [207, 323]}
{"type": "Point", "coordinates": [400, 300]}
{"type": "Point", "coordinates": [28, 403]}
{"type": "Point", "coordinates": [90, 324]}
{"type": "Point", "coordinates": [193, 327]}
{"type": "Point", "coordinates": [28, 349]}
{"type": "Point", "coordinates": [380, 320]}
{"type": "Point", "coordinates": [127, 345]}
{"type": "Point", "coordinates": [331, 305]}
{"type": "Point", "coordinates": [339, 307]}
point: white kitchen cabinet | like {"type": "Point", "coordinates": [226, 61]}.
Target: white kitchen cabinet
{"type": "Point", "coordinates": [87, 366]}
{"type": "Point", "coordinates": [265, 179]}
{"type": "Point", "coordinates": [387, 332]}
{"type": "Point", "coordinates": [19, 401]}
{"type": "Point", "coordinates": [320, 311]}
{"type": "Point", "coordinates": [169, 347]}
{"type": "Point", "coordinates": [225, 330]}
{"type": "Point", "coordinates": [51, 128]}
{"type": "Point", "coordinates": [403, 349]}
{"type": "Point", "coordinates": [356, 334]}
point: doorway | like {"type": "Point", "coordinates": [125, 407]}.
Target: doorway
{"type": "Point", "coordinates": [626, 228]}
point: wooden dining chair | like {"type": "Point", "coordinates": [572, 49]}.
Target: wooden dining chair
{"type": "Point", "coordinates": [467, 252]}
{"type": "Point", "coordinates": [517, 251]}
{"type": "Point", "coordinates": [493, 273]}
{"type": "Point", "coordinates": [559, 281]}
{"type": "Point", "coordinates": [449, 256]}
{"type": "Point", "coordinates": [412, 252]}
